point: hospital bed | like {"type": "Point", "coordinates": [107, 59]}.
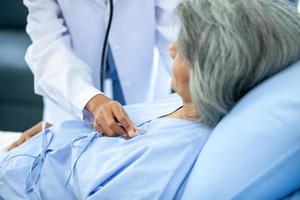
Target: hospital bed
{"type": "Point", "coordinates": [254, 152]}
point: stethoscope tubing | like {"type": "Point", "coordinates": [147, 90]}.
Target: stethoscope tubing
{"type": "Point", "coordinates": [105, 46]}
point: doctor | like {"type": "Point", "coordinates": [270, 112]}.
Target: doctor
{"type": "Point", "coordinates": [65, 57]}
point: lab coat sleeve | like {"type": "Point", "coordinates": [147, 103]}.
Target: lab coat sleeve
{"type": "Point", "coordinates": [58, 73]}
{"type": "Point", "coordinates": [167, 27]}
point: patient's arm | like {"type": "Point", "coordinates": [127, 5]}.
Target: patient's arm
{"type": "Point", "coordinates": [28, 134]}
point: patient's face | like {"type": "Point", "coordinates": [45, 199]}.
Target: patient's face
{"type": "Point", "coordinates": [180, 74]}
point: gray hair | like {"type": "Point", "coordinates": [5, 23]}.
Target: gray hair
{"type": "Point", "coordinates": [233, 45]}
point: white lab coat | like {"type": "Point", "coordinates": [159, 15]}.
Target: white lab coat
{"type": "Point", "coordinates": [67, 38]}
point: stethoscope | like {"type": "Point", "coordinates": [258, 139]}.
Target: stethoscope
{"type": "Point", "coordinates": [105, 45]}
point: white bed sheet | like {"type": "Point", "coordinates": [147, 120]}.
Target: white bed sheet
{"type": "Point", "coordinates": [6, 138]}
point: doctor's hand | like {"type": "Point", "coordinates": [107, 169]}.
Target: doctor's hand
{"type": "Point", "coordinates": [110, 118]}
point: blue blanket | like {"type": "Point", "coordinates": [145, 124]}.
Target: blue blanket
{"type": "Point", "coordinates": [74, 161]}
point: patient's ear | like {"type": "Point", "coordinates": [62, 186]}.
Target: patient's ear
{"type": "Point", "coordinates": [173, 50]}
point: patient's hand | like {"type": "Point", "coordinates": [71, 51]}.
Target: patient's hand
{"type": "Point", "coordinates": [28, 134]}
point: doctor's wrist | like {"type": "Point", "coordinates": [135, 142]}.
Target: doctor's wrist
{"type": "Point", "coordinates": [96, 101]}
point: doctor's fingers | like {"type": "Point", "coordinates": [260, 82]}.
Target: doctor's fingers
{"type": "Point", "coordinates": [99, 128]}
{"type": "Point", "coordinates": [108, 125]}
{"type": "Point", "coordinates": [123, 118]}
{"type": "Point", "coordinates": [106, 131]}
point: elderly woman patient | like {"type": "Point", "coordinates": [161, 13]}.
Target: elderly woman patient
{"type": "Point", "coordinates": [224, 49]}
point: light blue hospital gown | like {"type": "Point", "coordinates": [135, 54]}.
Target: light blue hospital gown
{"type": "Point", "coordinates": [73, 161]}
